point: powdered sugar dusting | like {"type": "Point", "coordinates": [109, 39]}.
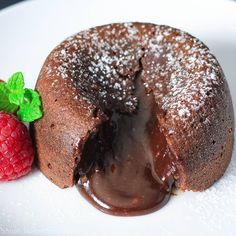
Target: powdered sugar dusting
{"type": "Point", "coordinates": [101, 63]}
{"type": "Point", "coordinates": [186, 68]}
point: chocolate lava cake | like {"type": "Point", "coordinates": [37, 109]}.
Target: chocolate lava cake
{"type": "Point", "coordinates": [131, 110]}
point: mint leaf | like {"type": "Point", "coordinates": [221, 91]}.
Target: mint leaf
{"type": "Point", "coordinates": [13, 97]}
{"type": "Point", "coordinates": [30, 108]}
{"type": "Point", "coordinates": [15, 87]}
{"type": "Point", "coordinates": [5, 104]}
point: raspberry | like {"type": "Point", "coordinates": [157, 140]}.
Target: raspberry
{"type": "Point", "coordinates": [16, 151]}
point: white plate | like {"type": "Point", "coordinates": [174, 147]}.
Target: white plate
{"type": "Point", "coordinates": [33, 205]}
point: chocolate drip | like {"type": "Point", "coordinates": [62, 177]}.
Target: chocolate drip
{"type": "Point", "coordinates": [126, 168]}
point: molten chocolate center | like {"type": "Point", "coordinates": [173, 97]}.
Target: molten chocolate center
{"type": "Point", "coordinates": [126, 168]}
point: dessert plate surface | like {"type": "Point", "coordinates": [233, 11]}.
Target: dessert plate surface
{"type": "Point", "coordinates": [35, 206]}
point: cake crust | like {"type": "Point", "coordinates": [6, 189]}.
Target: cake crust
{"type": "Point", "coordinates": [94, 71]}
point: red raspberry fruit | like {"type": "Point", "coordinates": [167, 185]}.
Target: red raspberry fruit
{"type": "Point", "coordinates": [16, 151]}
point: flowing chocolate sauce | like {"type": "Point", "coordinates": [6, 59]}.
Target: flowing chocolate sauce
{"type": "Point", "coordinates": [126, 167]}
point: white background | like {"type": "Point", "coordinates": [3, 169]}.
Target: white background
{"type": "Point", "coordinates": [33, 205]}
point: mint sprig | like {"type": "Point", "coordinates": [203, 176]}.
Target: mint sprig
{"type": "Point", "coordinates": [15, 98]}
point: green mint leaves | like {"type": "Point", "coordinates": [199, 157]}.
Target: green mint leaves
{"type": "Point", "coordinates": [15, 87]}
{"type": "Point", "coordinates": [5, 105]}
{"type": "Point", "coordinates": [15, 98]}
{"type": "Point", "coordinates": [30, 109]}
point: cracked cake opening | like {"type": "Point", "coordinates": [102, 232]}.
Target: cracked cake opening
{"type": "Point", "coordinates": [126, 167]}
